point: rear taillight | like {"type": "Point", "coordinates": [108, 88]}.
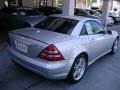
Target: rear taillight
{"type": "Point", "coordinates": [51, 53]}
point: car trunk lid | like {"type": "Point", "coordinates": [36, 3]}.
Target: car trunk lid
{"type": "Point", "coordinates": [45, 36]}
{"type": "Point", "coordinates": [32, 41]}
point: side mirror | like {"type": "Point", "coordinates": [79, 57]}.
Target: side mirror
{"type": "Point", "coordinates": [109, 32]}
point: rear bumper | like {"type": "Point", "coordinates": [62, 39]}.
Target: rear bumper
{"type": "Point", "coordinates": [50, 70]}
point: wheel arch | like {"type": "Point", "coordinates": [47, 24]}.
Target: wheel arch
{"type": "Point", "coordinates": [118, 37]}
{"type": "Point", "coordinates": [83, 53]}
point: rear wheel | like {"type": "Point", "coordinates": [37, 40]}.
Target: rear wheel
{"type": "Point", "coordinates": [78, 69]}
{"type": "Point", "coordinates": [114, 47]}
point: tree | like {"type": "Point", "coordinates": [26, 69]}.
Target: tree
{"type": "Point", "coordinates": [59, 3]}
{"type": "Point", "coordinates": [86, 3]}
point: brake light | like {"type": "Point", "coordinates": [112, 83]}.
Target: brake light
{"type": "Point", "coordinates": [51, 53]}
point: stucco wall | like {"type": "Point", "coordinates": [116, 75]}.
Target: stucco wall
{"type": "Point", "coordinates": [28, 3]}
{"type": "Point", "coordinates": [49, 2]}
{"type": "Point", "coordinates": [1, 4]}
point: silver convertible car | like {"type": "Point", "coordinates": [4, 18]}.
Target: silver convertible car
{"type": "Point", "coordinates": [61, 47]}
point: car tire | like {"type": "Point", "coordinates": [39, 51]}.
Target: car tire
{"type": "Point", "coordinates": [115, 46]}
{"type": "Point", "coordinates": [78, 69]}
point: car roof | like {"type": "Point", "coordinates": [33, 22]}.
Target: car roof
{"type": "Point", "coordinates": [73, 17]}
{"type": "Point", "coordinates": [25, 8]}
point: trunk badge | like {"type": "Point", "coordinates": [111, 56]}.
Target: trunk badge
{"type": "Point", "coordinates": [38, 31]}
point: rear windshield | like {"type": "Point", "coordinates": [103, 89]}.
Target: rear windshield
{"type": "Point", "coordinates": [91, 12]}
{"type": "Point", "coordinates": [80, 12]}
{"type": "Point", "coordinates": [57, 24]}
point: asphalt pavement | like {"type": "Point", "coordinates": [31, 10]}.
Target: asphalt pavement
{"type": "Point", "coordinates": [102, 75]}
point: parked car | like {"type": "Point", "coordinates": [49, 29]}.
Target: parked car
{"type": "Point", "coordinates": [93, 12]}
{"type": "Point", "coordinates": [61, 47]}
{"type": "Point", "coordinates": [114, 18]}
{"type": "Point", "coordinates": [49, 10]}
{"type": "Point", "coordinates": [110, 21]}
{"type": "Point", "coordinates": [54, 10]}
{"type": "Point", "coordinates": [98, 13]}
{"type": "Point", "coordinates": [30, 15]}
{"type": "Point", "coordinates": [83, 12]}
{"type": "Point", "coordinates": [13, 18]}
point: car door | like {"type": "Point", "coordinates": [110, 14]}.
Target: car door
{"type": "Point", "coordinates": [99, 42]}
{"type": "Point", "coordinates": [84, 40]}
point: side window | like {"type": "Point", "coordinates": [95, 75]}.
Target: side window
{"type": "Point", "coordinates": [88, 27]}
{"type": "Point", "coordinates": [97, 28]}
{"type": "Point", "coordinates": [83, 31]}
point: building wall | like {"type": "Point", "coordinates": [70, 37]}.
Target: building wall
{"type": "Point", "coordinates": [28, 3]}
{"type": "Point", "coordinates": [35, 3]}
{"type": "Point", "coordinates": [52, 3]}
{"type": "Point", "coordinates": [1, 4]}
{"type": "Point", "coordinates": [49, 2]}
{"type": "Point", "coordinates": [79, 4]}
{"type": "Point", "coordinates": [83, 4]}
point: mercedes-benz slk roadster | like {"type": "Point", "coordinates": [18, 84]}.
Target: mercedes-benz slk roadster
{"type": "Point", "coordinates": [61, 47]}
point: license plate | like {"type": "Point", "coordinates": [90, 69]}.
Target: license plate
{"type": "Point", "coordinates": [21, 46]}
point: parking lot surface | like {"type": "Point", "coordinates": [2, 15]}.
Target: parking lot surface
{"type": "Point", "coordinates": [102, 75]}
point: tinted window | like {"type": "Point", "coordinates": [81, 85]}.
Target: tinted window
{"type": "Point", "coordinates": [99, 11]}
{"type": "Point", "coordinates": [90, 12]}
{"type": "Point", "coordinates": [57, 24]}
{"type": "Point", "coordinates": [80, 12]}
{"type": "Point", "coordinates": [49, 10]}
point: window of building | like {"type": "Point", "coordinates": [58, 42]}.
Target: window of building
{"type": "Point", "coordinates": [9, 3]}
{"type": "Point", "coordinates": [39, 3]}
{"type": "Point", "coordinates": [42, 2]}
{"type": "Point", "coordinates": [59, 3]}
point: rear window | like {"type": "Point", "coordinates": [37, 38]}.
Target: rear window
{"type": "Point", "coordinates": [90, 12]}
{"type": "Point", "coordinates": [57, 24]}
{"type": "Point", "coordinates": [80, 12]}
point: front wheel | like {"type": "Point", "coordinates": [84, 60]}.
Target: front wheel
{"type": "Point", "coordinates": [78, 69]}
{"type": "Point", "coordinates": [114, 47]}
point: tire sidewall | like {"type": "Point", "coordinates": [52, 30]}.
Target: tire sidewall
{"type": "Point", "coordinates": [113, 52]}
{"type": "Point", "coordinates": [70, 76]}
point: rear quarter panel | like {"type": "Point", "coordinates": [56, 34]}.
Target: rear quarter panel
{"type": "Point", "coordinates": [72, 48]}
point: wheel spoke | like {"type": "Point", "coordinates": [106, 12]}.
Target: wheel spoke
{"type": "Point", "coordinates": [79, 69]}
{"type": "Point", "coordinates": [115, 46]}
